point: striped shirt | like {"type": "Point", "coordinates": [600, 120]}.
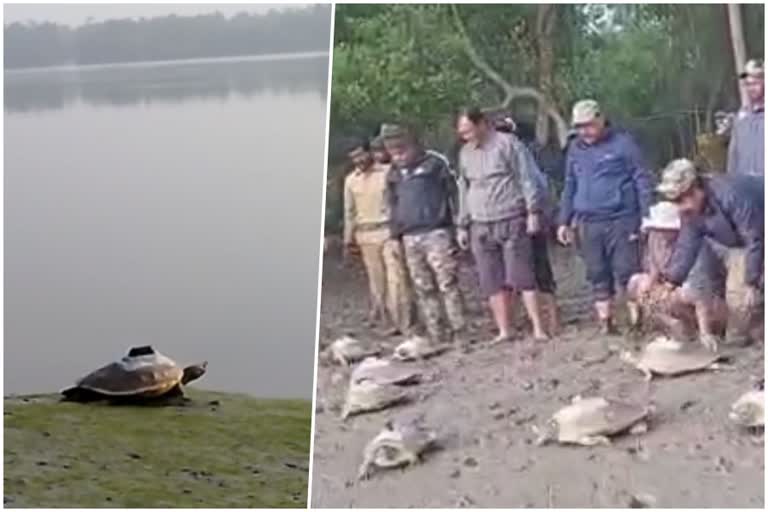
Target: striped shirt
{"type": "Point", "coordinates": [496, 180]}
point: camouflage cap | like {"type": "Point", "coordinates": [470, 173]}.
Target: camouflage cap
{"type": "Point", "coordinates": [677, 178]}
{"type": "Point", "coordinates": [585, 111]}
{"type": "Point", "coordinates": [392, 131]}
{"type": "Point", "coordinates": [753, 68]}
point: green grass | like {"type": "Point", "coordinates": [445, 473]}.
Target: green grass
{"type": "Point", "coordinates": [241, 453]}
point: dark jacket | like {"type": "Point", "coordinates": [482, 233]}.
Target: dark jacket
{"type": "Point", "coordinates": [734, 217]}
{"type": "Point", "coordinates": [422, 196]}
{"type": "Point", "coordinates": [606, 180]}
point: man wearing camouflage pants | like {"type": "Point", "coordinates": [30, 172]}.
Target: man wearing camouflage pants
{"type": "Point", "coordinates": [422, 197]}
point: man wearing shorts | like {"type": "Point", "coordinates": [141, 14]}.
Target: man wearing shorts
{"type": "Point", "coordinates": [500, 208]}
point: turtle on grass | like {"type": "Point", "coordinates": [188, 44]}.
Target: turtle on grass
{"type": "Point", "coordinates": [591, 421]}
{"type": "Point", "coordinates": [400, 443]}
{"type": "Point", "coordinates": [668, 357]}
{"type": "Point", "coordinates": [143, 376]}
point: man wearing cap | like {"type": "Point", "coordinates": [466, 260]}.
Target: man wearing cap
{"type": "Point", "coordinates": [366, 224]}
{"type": "Point", "coordinates": [422, 199]}
{"type": "Point", "coordinates": [700, 302]}
{"type": "Point", "coordinates": [608, 189]}
{"type": "Point", "coordinates": [500, 208]}
{"type": "Point", "coordinates": [746, 153]}
{"type": "Point", "coordinates": [728, 212]}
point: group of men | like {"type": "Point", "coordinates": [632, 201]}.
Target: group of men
{"type": "Point", "coordinates": [698, 251]}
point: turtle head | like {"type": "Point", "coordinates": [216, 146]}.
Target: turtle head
{"type": "Point", "coordinates": [628, 357]}
{"type": "Point", "coordinates": [194, 372]}
{"type": "Point", "coordinates": [546, 434]}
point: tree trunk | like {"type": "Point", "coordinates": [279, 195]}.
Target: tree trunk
{"type": "Point", "coordinates": [546, 15]}
{"type": "Point", "coordinates": [739, 48]}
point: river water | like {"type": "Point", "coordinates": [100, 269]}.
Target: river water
{"type": "Point", "coordinates": [176, 204]}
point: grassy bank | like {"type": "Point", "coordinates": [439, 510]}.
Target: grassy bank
{"type": "Point", "coordinates": [224, 450]}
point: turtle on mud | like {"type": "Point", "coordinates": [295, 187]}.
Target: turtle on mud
{"type": "Point", "coordinates": [749, 410]}
{"type": "Point", "coordinates": [591, 421]}
{"type": "Point", "coordinates": [383, 371]}
{"type": "Point", "coordinates": [369, 396]}
{"type": "Point", "coordinates": [143, 376]}
{"type": "Point", "coordinates": [347, 350]}
{"type": "Point", "coordinates": [400, 443]}
{"type": "Point", "coordinates": [418, 347]}
{"type": "Point", "coordinates": [668, 357]}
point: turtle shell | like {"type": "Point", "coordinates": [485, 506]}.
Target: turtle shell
{"type": "Point", "coordinates": [669, 357]}
{"type": "Point", "coordinates": [596, 416]}
{"type": "Point", "coordinates": [384, 372]}
{"type": "Point", "coordinates": [147, 374]}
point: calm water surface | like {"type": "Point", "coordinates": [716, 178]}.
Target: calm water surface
{"type": "Point", "coordinates": [172, 204]}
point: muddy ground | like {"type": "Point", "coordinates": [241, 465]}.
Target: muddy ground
{"type": "Point", "coordinates": [485, 402]}
{"type": "Point", "coordinates": [222, 450]}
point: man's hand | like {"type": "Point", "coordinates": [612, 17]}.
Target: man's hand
{"type": "Point", "coordinates": [565, 235]}
{"type": "Point", "coordinates": [534, 223]}
{"type": "Point", "coordinates": [750, 297]}
{"type": "Point", "coordinates": [346, 252]}
{"type": "Point", "coordinates": [462, 238]}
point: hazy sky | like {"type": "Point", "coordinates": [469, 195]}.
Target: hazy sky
{"type": "Point", "coordinates": [77, 14]}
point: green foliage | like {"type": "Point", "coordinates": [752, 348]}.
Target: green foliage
{"type": "Point", "coordinates": [243, 453]}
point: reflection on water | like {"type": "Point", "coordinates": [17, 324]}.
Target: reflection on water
{"type": "Point", "coordinates": [167, 82]}
{"type": "Point", "coordinates": [176, 205]}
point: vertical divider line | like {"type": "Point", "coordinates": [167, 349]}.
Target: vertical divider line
{"type": "Point", "coordinates": [329, 91]}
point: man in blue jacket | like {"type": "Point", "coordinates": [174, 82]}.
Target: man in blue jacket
{"type": "Point", "coordinates": [728, 212]}
{"type": "Point", "coordinates": [608, 189]}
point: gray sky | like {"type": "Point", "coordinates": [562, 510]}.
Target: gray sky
{"type": "Point", "coordinates": [77, 14]}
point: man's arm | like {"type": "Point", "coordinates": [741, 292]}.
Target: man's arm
{"type": "Point", "coordinates": [732, 164]}
{"type": "Point", "coordinates": [686, 251]}
{"type": "Point", "coordinates": [462, 188]}
{"type": "Point", "coordinates": [569, 190]}
{"type": "Point", "coordinates": [349, 213]}
{"type": "Point", "coordinates": [391, 192]}
{"type": "Point", "coordinates": [641, 175]}
{"type": "Point", "coordinates": [451, 187]}
{"type": "Point", "coordinates": [534, 199]}
{"type": "Point", "coordinates": [748, 222]}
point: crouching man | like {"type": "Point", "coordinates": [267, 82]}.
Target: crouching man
{"type": "Point", "coordinates": [727, 212]}
{"type": "Point", "coordinates": [697, 305]}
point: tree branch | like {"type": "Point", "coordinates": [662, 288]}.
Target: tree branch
{"type": "Point", "coordinates": [510, 91]}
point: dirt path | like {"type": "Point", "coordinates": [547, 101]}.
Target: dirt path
{"type": "Point", "coordinates": [484, 404]}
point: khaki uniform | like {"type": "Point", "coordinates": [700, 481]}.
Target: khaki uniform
{"type": "Point", "coordinates": [366, 223]}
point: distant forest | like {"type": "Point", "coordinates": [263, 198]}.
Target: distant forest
{"type": "Point", "coordinates": [168, 38]}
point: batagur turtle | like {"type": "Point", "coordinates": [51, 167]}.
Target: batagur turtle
{"type": "Point", "coordinates": [400, 443]}
{"type": "Point", "coordinates": [418, 347]}
{"type": "Point", "coordinates": [144, 375]}
{"type": "Point", "coordinates": [347, 350]}
{"type": "Point", "coordinates": [382, 371]}
{"type": "Point", "coordinates": [749, 409]}
{"type": "Point", "coordinates": [369, 396]}
{"type": "Point", "coordinates": [590, 421]}
{"type": "Point", "coordinates": [665, 356]}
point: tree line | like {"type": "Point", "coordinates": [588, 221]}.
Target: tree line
{"type": "Point", "coordinates": [167, 38]}
{"type": "Point", "coordinates": [662, 70]}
